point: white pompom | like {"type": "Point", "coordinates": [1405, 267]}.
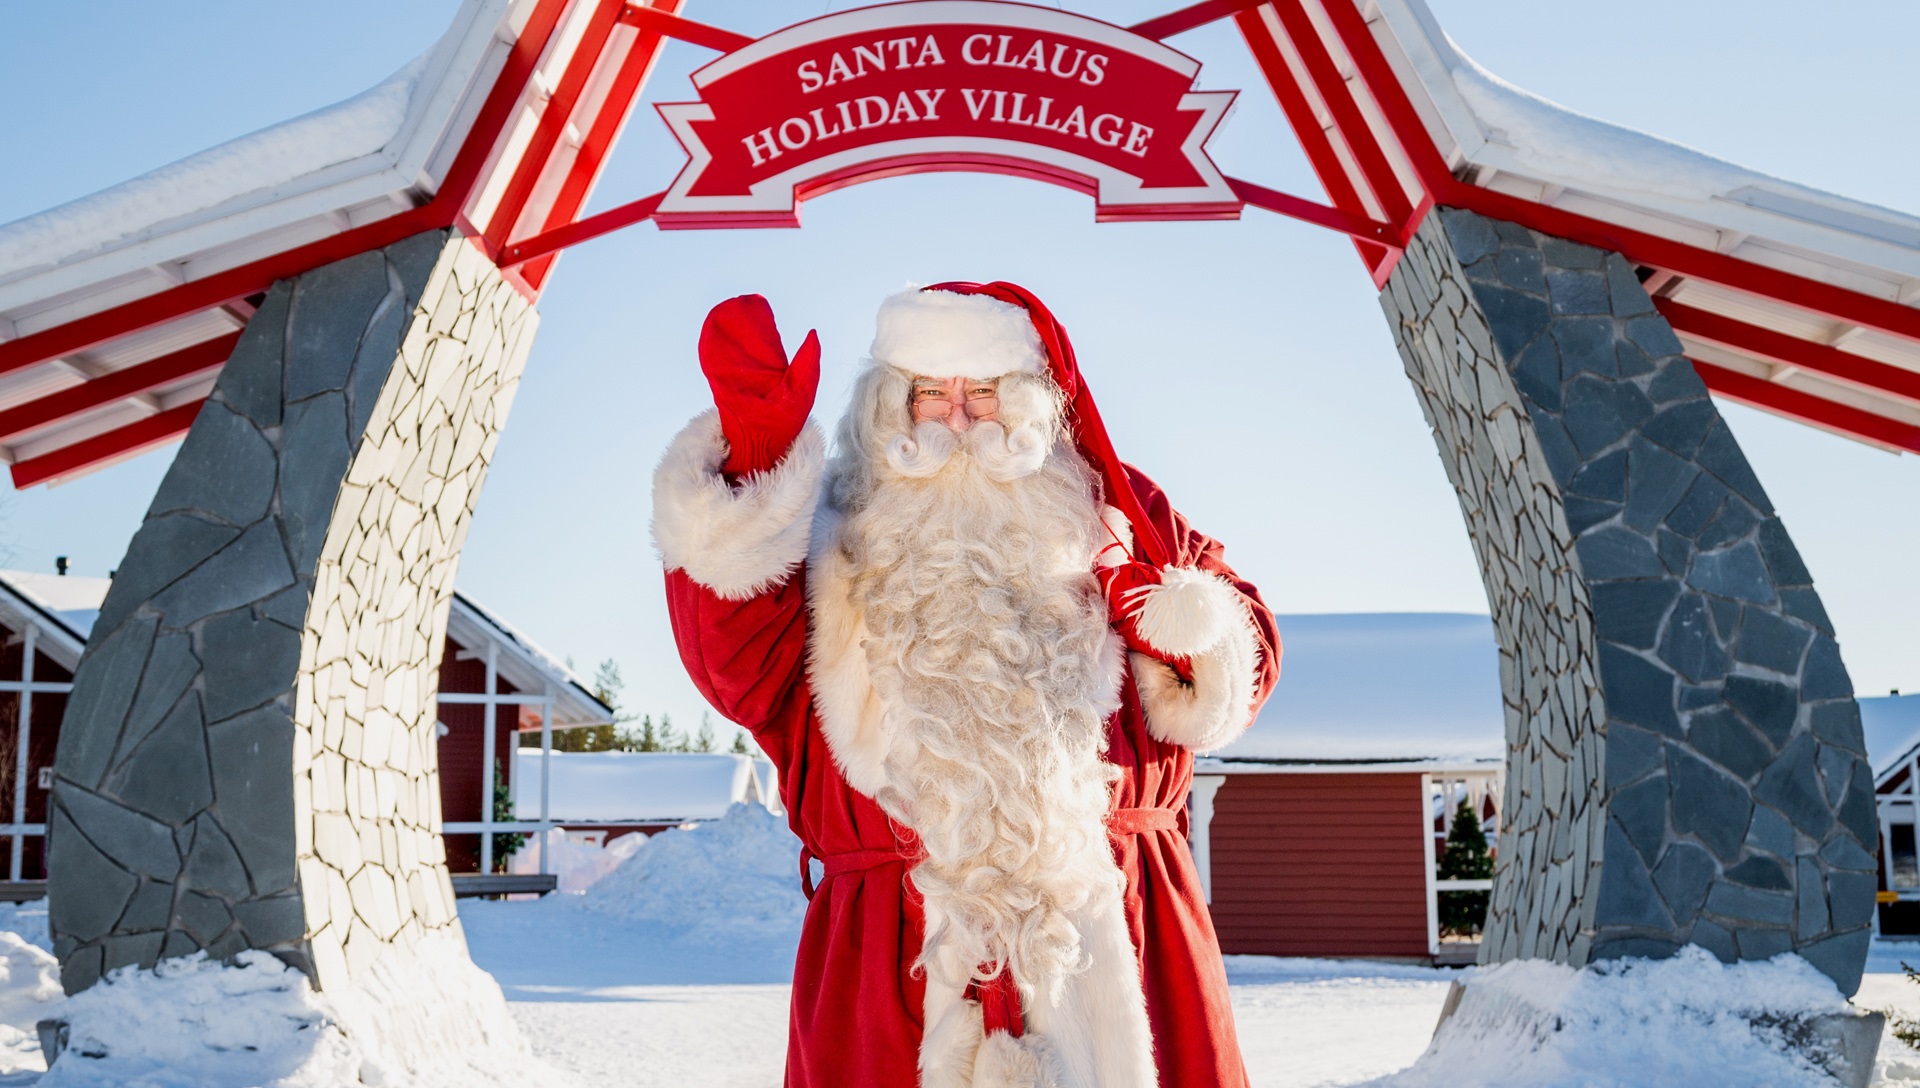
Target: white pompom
{"type": "Point", "coordinates": [1006, 1062]}
{"type": "Point", "coordinates": [1188, 612]}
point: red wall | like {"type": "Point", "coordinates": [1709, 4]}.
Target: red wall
{"type": "Point", "coordinates": [48, 709]}
{"type": "Point", "coordinates": [1319, 865]}
{"type": "Point", "coordinates": [463, 776]}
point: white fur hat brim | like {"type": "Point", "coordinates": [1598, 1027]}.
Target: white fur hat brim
{"type": "Point", "coordinates": [940, 334]}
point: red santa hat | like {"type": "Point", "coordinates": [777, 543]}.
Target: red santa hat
{"type": "Point", "coordinates": [984, 330]}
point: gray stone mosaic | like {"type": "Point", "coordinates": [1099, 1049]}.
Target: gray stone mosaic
{"type": "Point", "coordinates": [248, 757]}
{"type": "Point", "coordinates": [1685, 759]}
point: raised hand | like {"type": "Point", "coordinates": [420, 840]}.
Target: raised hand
{"type": "Point", "coordinates": [763, 400]}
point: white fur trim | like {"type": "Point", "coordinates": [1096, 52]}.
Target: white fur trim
{"type": "Point", "coordinates": [851, 716]}
{"type": "Point", "coordinates": [952, 1028]}
{"type": "Point", "coordinates": [1212, 710]}
{"type": "Point", "coordinates": [1187, 612]}
{"type": "Point", "coordinates": [1095, 1030]}
{"type": "Point", "coordinates": [741, 540]}
{"type": "Point", "coordinates": [941, 334]}
{"type": "Point", "coordinates": [1007, 1062]}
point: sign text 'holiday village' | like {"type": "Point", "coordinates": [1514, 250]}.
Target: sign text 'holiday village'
{"type": "Point", "coordinates": [947, 84]}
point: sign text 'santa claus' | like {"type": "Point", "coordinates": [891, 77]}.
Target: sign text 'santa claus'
{"type": "Point", "coordinates": [942, 85]}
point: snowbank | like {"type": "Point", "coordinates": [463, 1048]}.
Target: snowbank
{"type": "Point", "coordinates": [579, 865]}
{"type": "Point", "coordinates": [360, 126]}
{"type": "Point", "coordinates": [424, 1018]}
{"type": "Point", "coordinates": [29, 991]}
{"type": "Point", "coordinates": [736, 878]}
{"type": "Point", "coordinates": [1630, 1023]}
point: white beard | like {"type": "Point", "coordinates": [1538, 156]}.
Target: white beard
{"type": "Point", "coordinates": [990, 654]}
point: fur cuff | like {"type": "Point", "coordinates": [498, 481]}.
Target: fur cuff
{"type": "Point", "coordinates": [1212, 710]}
{"type": "Point", "coordinates": [737, 541]}
{"type": "Point", "coordinates": [1187, 613]}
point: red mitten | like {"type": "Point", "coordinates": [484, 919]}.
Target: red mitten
{"type": "Point", "coordinates": [1126, 586]}
{"type": "Point", "coordinates": [763, 401]}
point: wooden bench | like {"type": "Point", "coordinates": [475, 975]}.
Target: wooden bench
{"type": "Point", "coordinates": [473, 885]}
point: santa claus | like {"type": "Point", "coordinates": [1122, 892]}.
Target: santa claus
{"type": "Point", "coordinates": [982, 652]}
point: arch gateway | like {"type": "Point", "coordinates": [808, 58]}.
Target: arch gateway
{"type": "Point", "coordinates": [247, 759]}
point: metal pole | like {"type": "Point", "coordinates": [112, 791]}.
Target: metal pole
{"type": "Point", "coordinates": [546, 772]}
{"type": "Point", "coordinates": [1426, 842]}
{"type": "Point", "coordinates": [29, 647]}
{"type": "Point", "coordinates": [486, 759]}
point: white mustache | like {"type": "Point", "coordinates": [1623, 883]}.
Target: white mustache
{"type": "Point", "coordinates": [1003, 455]}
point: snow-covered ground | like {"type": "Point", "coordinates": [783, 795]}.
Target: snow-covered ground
{"type": "Point", "coordinates": [630, 985]}
{"type": "Point", "coordinates": [603, 999]}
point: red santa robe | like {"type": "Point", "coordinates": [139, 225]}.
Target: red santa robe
{"type": "Point", "coordinates": [739, 582]}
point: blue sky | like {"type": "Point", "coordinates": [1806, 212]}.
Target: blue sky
{"type": "Point", "coordinates": [1245, 365]}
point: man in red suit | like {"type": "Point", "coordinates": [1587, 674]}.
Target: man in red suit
{"type": "Point", "coordinates": [982, 652]}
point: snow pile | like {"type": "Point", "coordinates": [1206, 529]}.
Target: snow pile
{"type": "Point", "coordinates": [193, 1021]}
{"type": "Point", "coordinates": [579, 864]}
{"type": "Point", "coordinates": [257, 163]}
{"type": "Point", "coordinates": [422, 1018]}
{"type": "Point", "coordinates": [29, 991]}
{"type": "Point", "coordinates": [29, 920]}
{"type": "Point", "coordinates": [737, 878]}
{"type": "Point", "coordinates": [1688, 1020]}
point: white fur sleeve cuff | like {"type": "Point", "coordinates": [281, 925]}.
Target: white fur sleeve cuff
{"type": "Point", "coordinates": [1217, 705]}
{"type": "Point", "coordinates": [742, 540]}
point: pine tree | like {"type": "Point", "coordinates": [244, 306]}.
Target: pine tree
{"type": "Point", "coordinates": [507, 844]}
{"type": "Point", "coordinates": [670, 738]}
{"type": "Point", "coordinates": [644, 739]}
{"type": "Point", "coordinates": [1466, 858]}
{"type": "Point", "coordinates": [740, 744]}
{"type": "Point", "coordinates": [703, 741]}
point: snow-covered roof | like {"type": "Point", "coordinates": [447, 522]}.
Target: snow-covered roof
{"type": "Point", "coordinates": [1497, 136]}
{"type": "Point", "coordinates": [1892, 724]}
{"type": "Point", "coordinates": [64, 607]}
{"type": "Point", "coordinates": [371, 156]}
{"type": "Point", "coordinates": [1381, 688]}
{"type": "Point", "coordinates": [526, 665]}
{"type": "Point", "coordinates": [641, 787]}
{"type": "Point", "coordinates": [160, 269]}
{"type": "Point", "coordinates": [61, 608]}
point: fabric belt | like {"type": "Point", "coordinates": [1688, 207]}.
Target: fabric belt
{"type": "Point", "coordinates": [852, 861]}
{"type": "Point", "coordinates": [999, 998]}
{"type": "Point", "coordinates": [1134, 821]}
{"type": "Point", "coordinates": [1124, 822]}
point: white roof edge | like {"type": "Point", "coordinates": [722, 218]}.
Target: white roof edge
{"type": "Point", "coordinates": [1210, 765]}
{"type": "Point", "coordinates": [17, 605]}
{"type": "Point", "coordinates": [1869, 238]}
{"type": "Point", "coordinates": [570, 688]}
{"type": "Point", "coordinates": [408, 166]}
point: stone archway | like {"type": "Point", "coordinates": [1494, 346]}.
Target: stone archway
{"type": "Point", "coordinates": [248, 760]}
{"type": "Point", "coordinates": [1685, 758]}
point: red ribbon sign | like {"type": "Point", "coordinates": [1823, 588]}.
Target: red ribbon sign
{"type": "Point", "coordinates": [942, 85]}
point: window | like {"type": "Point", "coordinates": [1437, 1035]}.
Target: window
{"type": "Point", "coordinates": [1903, 863]}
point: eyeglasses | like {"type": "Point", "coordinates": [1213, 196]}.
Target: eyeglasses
{"type": "Point", "coordinates": [931, 401]}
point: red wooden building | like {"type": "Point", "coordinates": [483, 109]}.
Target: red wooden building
{"type": "Point", "coordinates": [1316, 833]}
{"type": "Point", "coordinates": [1305, 859]}
{"type": "Point", "coordinates": [494, 683]}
